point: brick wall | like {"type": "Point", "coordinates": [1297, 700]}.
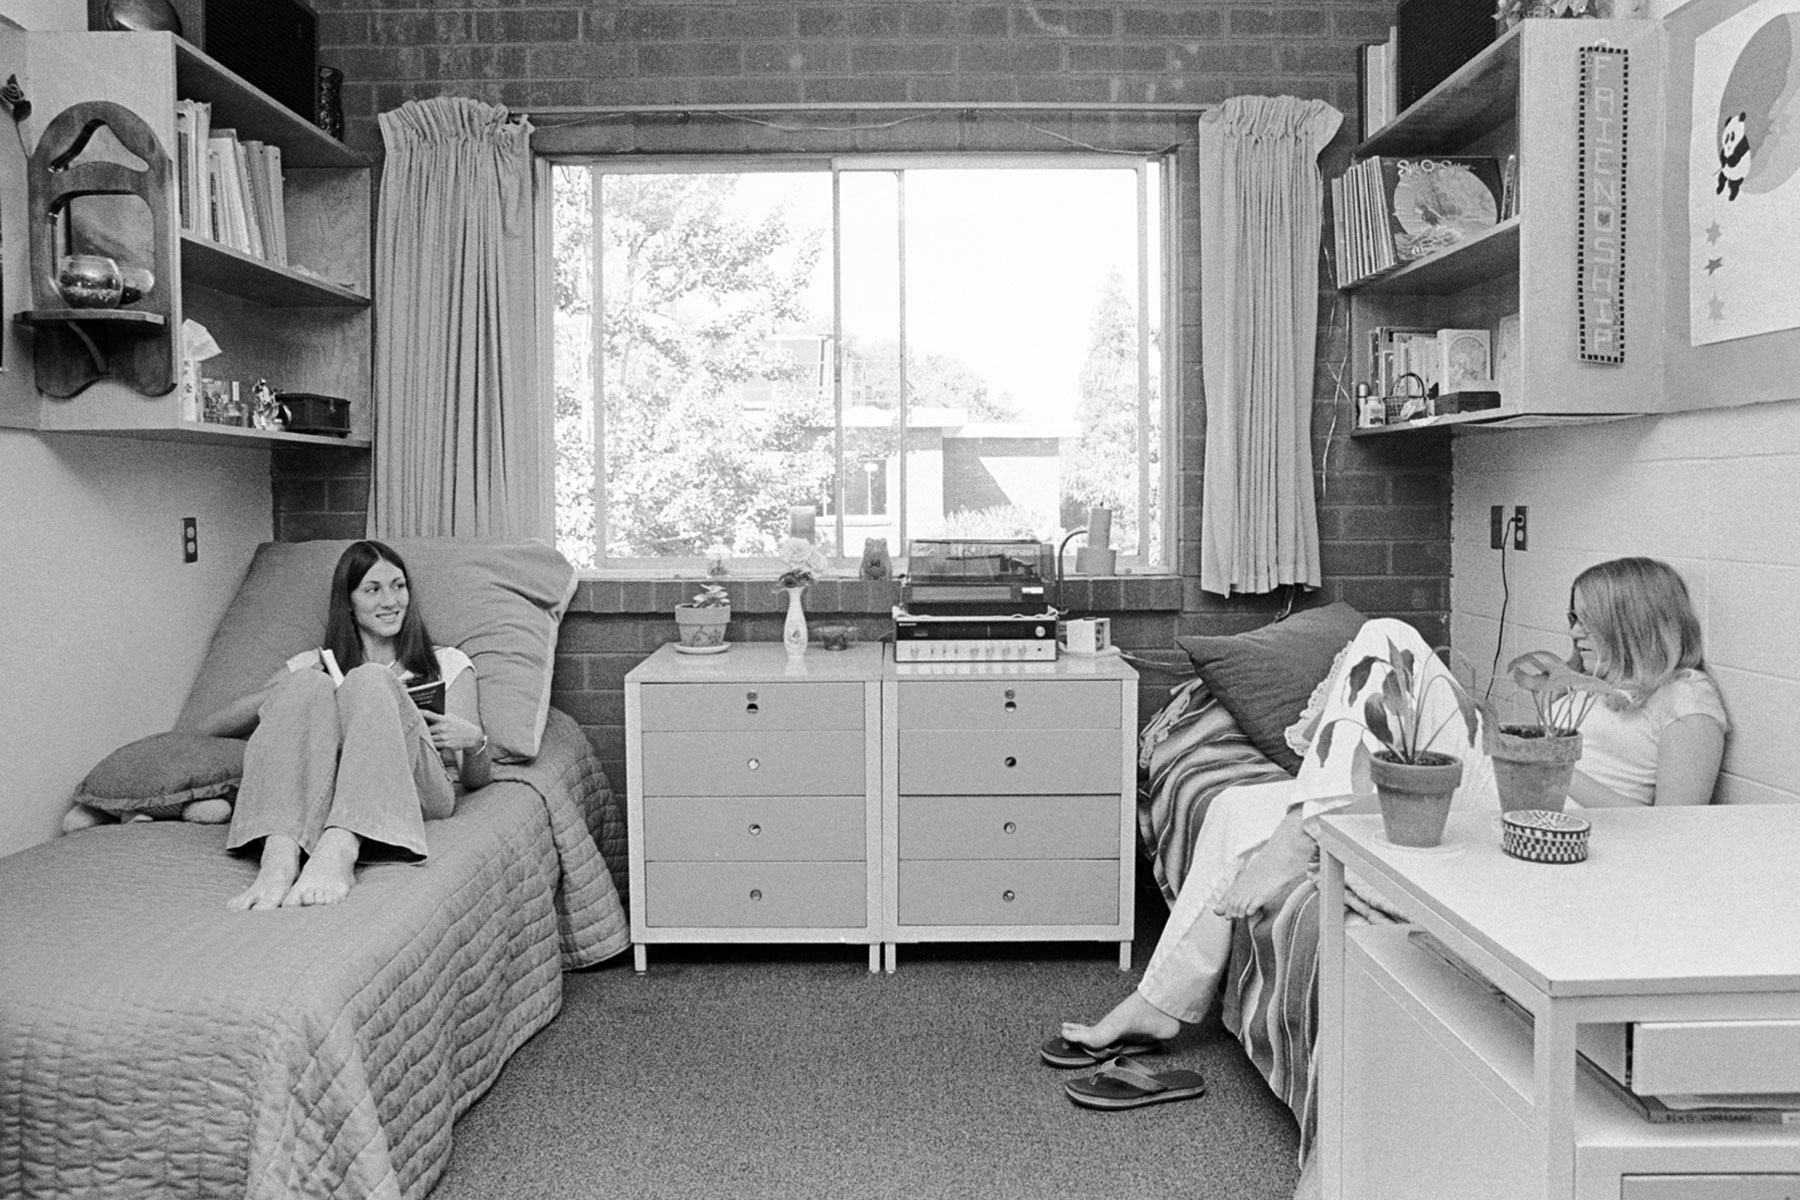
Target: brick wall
{"type": "Point", "coordinates": [1384, 503]}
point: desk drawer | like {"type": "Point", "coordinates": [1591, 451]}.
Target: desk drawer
{"type": "Point", "coordinates": [1009, 826]}
{"type": "Point", "coordinates": [752, 895]}
{"type": "Point", "coordinates": [1009, 892]}
{"type": "Point", "coordinates": [751, 706]}
{"type": "Point", "coordinates": [791, 763]}
{"type": "Point", "coordinates": [1008, 704]}
{"type": "Point", "coordinates": [994, 762]}
{"type": "Point", "coordinates": [761, 829]}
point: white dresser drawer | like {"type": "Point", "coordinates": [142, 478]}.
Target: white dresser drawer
{"type": "Point", "coordinates": [1009, 826]}
{"type": "Point", "coordinates": [675, 707]}
{"type": "Point", "coordinates": [1009, 892]}
{"type": "Point", "coordinates": [788, 763]}
{"type": "Point", "coordinates": [757, 829]}
{"type": "Point", "coordinates": [997, 762]}
{"type": "Point", "coordinates": [756, 895]}
{"type": "Point", "coordinates": [1008, 704]}
{"type": "Point", "coordinates": [1710, 1187]}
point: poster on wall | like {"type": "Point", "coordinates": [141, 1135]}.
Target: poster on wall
{"type": "Point", "coordinates": [1744, 177]}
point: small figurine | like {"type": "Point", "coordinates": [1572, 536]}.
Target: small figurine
{"type": "Point", "coordinates": [875, 561]}
{"type": "Point", "coordinates": [266, 412]}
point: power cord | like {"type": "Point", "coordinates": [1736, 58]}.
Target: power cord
{"type": "Point", "coordinates": [1505, 595]}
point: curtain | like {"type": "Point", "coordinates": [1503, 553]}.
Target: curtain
{"type": "Point", "coordinates": [1261, 210]}
{"type": "Point", "coordinates": [462, 417]}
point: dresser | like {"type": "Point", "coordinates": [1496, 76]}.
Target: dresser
{"type": "Point", "coordinates": [754, 797]}
{"type": "Point", "coordinates": [1458, 1075]}
{"type": "Point", "coordinates": [1009, 795]}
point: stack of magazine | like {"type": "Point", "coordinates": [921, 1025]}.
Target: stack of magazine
{"type": "Point", "coordinates": [231, 188]}
{"type": "Point", "coordinates": [1388, 212]}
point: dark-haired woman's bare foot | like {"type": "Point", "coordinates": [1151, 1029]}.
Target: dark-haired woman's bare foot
{"type": "Point", "coordinates": [1133, 1019]}
{"type": "Point", "coordinates": [280, 863]}
{"type": "Point", "coordinates": [329, 871]}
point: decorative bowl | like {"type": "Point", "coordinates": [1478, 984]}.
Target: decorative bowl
{"type": "Point", "coordinates": [1537, 835]}
{"type": "Point", "coordinates": [134, 284]}
{"type": "Point", "coordinates": [88, 281]}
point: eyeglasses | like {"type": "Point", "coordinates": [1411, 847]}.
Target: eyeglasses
{"type": "Point", "coordinates": [1574, 620]}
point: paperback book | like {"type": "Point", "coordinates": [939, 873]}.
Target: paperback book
{"type": "Point", "coordinates": [1397, 211]}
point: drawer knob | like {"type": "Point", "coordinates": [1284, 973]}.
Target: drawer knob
{"type": "Point", "coordinates": [754, 763]}
{"type": "Point", "coordinates": [755, 830]}
{"type": "Point", "coordinates": [1011, 761]}
{"type": "Point", "coordinates": [1010, 827]}
{"type": "Point", "coordinates": [750, 696]}
{"type": "Point", "coordinates": [751, 708]}
{"type": "Point", "coordinates": [1012, 706]}
{"type": "Point", "coordinates": [1008, 895]}
{"type": "Point", "coordinates": [756, 893]}
{"type": "Point", "coordinates": [1011, 694]}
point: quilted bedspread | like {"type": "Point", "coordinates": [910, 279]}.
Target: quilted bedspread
{"type": "Point", "coordinates": [153, 1043]}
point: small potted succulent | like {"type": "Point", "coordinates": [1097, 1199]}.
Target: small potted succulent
{"type": "Point", "coordinates": [1534, 762]}
{"type": "Point", "coordinates": [1413, 782]}
{"type": "Point", "coordinates": [701, 621]}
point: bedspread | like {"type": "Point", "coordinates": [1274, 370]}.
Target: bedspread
{"type": "Point", "coordinates": [154, 1043]}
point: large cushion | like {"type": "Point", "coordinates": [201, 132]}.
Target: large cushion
{"type": "Point", "coordinates": [159, 774]}
{"type": "Point", "coordinates": [500, 602]}
{"type": "Point", "coordinates": [1264, 677]}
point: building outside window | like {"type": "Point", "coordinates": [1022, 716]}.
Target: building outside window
{"type": "Point", "coordinates": [913, 347]}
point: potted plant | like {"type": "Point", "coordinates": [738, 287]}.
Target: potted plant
{"type": "Point", "coordinates": [1413, 782]}
{"type": "Point", "coordinates": [701, 621]}
{"type": "Point", "coordinates": [1534, 762]}
{"type": "Point", "coordinates": [804, 561]}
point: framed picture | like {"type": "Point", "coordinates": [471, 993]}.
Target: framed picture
{"type": "Point", "coordinates": [1465, 360]}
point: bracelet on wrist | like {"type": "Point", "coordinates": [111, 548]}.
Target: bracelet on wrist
{"type": "Point", "coordinates": [481, 749]}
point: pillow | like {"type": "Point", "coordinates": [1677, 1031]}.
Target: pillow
{"type": "Point", "coordinates": [1264, 677]}
{"type": "Point", "coordinates": [500, 602]}
{"type": "Point", "coordinates": [159, 774]}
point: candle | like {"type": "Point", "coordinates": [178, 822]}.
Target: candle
{"type": "Point", "coordinates": [800, 521]}
{"type": "Point", "coordinates": [1099, 532]}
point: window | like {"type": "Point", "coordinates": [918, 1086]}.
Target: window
{"type": "Point", "coordinates": [915, 347]}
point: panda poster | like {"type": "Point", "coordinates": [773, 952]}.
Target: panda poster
{"type": "Point", "coordinates": [1744, 181]}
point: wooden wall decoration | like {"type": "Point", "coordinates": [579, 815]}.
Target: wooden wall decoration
{"type": "Point", "coordinates": [76, 347]}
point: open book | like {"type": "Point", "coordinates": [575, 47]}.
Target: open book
{"type": "Point", "coordinates": [429, 696]}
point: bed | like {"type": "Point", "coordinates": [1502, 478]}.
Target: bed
{"type": "Point", "coordinates": [154, 1043]}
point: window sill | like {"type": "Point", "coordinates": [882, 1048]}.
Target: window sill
{"type": "Point", "coordinates": [641, 596]}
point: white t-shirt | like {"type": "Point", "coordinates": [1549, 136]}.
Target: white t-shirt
{"type": "Point", "coordinates": [1618, 749]}
{"type": "Point", "coordinates": [451, 663]}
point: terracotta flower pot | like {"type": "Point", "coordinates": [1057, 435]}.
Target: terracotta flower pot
{"type": "Point", "coordinates": [1415, 797]}
{"type": "Point", "coordinates": [701, 626]}
{"type": "Point", "coordinates": [1530, 770]}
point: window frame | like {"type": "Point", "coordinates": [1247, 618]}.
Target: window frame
{"type": "Point", "coordinates": [1162, 165]}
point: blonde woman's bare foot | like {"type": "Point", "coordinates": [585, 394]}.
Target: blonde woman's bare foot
{"type": "Point", "coordinates": [280, 863]}
{"type": "Point", "coordinates": [1270, 874]}
{"type": "Point", "coordinates": [329, 871]}
{"type": "Point", "coordinates": [1132, 1019]}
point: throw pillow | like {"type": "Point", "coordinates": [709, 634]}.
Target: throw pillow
{"type": "Point", "coordinates": [1264, 677]}
{"type": "Point", "coordinates": [157, 775]}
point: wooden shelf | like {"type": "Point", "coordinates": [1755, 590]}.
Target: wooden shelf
{"type": "Point", "coordinates": [239, 104]}
{"type": "Point", "coordinates": [125, 318]}
{"type": "Point", "coordinates": [1478, 98]}
{"type": "Point", "coordinates": [1490, 253]}
{"type": "Point", "coordinates": [206, 263]}
{"type": "Point", "coordinates": [200, 432]}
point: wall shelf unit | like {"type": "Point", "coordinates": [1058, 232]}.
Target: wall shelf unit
{"type": "Point", "coordinates": [1521, 96]}
{"type": "Point", "coordinates": [305, 327]}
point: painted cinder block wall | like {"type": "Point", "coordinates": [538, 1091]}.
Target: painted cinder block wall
{"type": "Point", "coordinates": [1384, 508]}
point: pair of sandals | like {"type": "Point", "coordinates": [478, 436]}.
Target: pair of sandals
{"type": "Point", "coordinates": [1120, 1083]}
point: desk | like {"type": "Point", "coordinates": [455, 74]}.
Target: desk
{"type": "Point", "coordinates": [1431, 1086]}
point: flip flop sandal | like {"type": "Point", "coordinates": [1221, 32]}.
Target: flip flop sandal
{"type": "Point", "coordinates": [1061, 1052]}
{"type": "Point", "coordinates": [1124, 1084]}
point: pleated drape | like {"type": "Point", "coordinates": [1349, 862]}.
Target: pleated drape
{"type": "Point", "coordinates": [462, 416]}
{"type": "Point", "coordinates": [1261, 208]}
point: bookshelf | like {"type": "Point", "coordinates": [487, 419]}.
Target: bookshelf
{"type": "Point", "coordinates": [1520, 96]}
{"type": "Point", "coordinates": [305, 326]}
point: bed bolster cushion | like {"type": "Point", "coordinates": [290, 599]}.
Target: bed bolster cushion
{"type": "Point", "coordinates": [159, 774]}
{"type": "Point", "coordinates": [1264, 677]}
{"type": "Point", "coordinates": [500, 602]}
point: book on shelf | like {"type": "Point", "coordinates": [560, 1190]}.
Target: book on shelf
{"type": "Point", "coordinates": [1400, 210]}
{"type": "Point", "coordinates": [1395, 350]}
{"type": "Point", "coordinates": [1375, 83]}
{"type": "Point", "coordinates": [1465, 360]}
{"type": "Point", "coordinates": [1509, 188]}
{"type": "Point", "coordinates": [231, 189]}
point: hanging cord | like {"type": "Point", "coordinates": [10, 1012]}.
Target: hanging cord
{"type": "Point", "coordinates": [1505, 595]}
{"type": "Point", "coordinates": [1339, 394]}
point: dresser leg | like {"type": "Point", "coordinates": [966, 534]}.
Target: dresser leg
{"type": "Point", "coordinates": [640, 957]}
{"type": "Point", "coordinates": [874, 958]}
{"type": "Point", "coordinates": [892, 951]}
{"type": "Point", "coordinates": [1124, 956]}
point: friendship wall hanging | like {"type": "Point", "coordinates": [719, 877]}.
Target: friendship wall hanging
{"type": "Point", "coordinates": [1600, 149]}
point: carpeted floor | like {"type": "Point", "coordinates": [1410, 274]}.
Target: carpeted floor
{"type": "Point", "coordinates": [792, 1072]}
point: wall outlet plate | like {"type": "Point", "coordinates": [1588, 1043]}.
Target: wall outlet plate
{"type": "Point", "coordinates": [1497, 527]}
{"type": "Point", "coordinates": [1519, 528]}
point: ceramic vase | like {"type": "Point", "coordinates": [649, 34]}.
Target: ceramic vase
{"type": "Point", "coordinates": [1415, 797]}
{"type": "Point", "coordinates": [793, 632]}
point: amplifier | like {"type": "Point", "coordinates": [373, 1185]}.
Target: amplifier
{"type": "Point", "coordinates": [923, 638]}
{"type": "Point", "coordinates": [273, 44]}
{"type": "Point", "coordinates": [1436, 37]}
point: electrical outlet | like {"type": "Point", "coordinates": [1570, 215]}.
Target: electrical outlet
{"type": "Point", "coordinates": [1497, 527]}
{"type": "Point", "coordinates": [1519, 528]}
{"type": "Point", "coordinates": [190, 540]}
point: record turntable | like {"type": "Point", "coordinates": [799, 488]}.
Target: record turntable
{"type": "Point", "coordinates": [974, 600]}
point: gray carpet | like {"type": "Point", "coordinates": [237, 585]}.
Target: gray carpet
{"type": "Point", "coordinates": [792, 1072]}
